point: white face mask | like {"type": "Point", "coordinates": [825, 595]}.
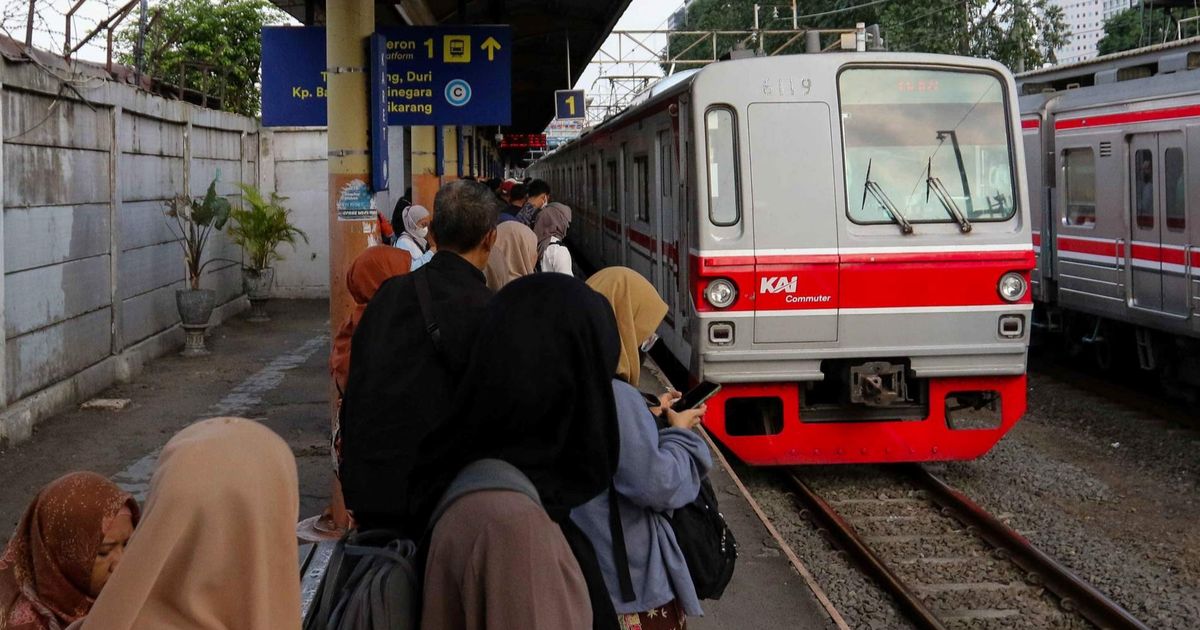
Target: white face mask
{"type": "Point", "coordinates": [422, 232]}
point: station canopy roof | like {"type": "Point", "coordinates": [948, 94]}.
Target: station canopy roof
{"type": "Point", "coordinates": [543, 32]}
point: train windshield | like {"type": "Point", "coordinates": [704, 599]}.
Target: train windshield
{"type": "Point", "coordinates": [926, 146]}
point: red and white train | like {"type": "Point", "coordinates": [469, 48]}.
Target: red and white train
{"type": "Point", "coordinates": [844, 242]}
{"type": "Point", "coordinates": [1116, 165]}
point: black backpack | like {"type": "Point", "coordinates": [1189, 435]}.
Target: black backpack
{"type": "Point", "coordinates": [372, 581]}
{"type": "Point", "coordinates": [707, 543]}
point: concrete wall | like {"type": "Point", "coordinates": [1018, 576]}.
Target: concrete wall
{"type": "Point", "coordinates": [294, 165]}
{"type": "Point", "coordinates": [90, 268]}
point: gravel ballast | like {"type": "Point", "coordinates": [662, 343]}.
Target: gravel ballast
{"type": "Point", "coordinates": [1104, 483]}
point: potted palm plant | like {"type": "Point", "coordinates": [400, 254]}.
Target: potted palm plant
{"type": "Point", "coordinates": [260, 225]}
{"type": "Point", "coordinates": [192, 222]}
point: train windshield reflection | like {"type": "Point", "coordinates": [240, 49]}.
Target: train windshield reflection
{"type": "Point", "coordinates": [917, 130]}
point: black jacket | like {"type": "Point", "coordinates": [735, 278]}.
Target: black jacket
{"type": "Point", "coordinates": [400, 387]}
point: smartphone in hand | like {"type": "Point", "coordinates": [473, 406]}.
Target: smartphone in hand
{"type": "Point", "coordinates": [696, 396]}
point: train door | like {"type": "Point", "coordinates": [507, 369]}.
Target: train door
{"type": "Point", "coordinates": [1174, 232]}
{"type": "Point", "coordinates": [664, 227]}
{"type": "Point", "coordinates": [610, 249]}
{"type": "Point", "coordinates": [1158, 234]}
{"type": "Point", "coordinates": [623, 206]}
{"type": "Point", "coordinates": [795, 222]}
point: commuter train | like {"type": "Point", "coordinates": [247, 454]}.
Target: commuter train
{"type": "Point", "coordinates": [1116, 167]}
{"type": "Point", "coordinates": [843, 240]}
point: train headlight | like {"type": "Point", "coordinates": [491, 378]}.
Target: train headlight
{"type": "Point", "coordinates": [1012, 286]}
{"type": "Point", "coordinates": [720, 293]}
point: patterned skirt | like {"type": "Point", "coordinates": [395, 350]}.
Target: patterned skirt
{"type": "Point", "coordinates": [666, 617]}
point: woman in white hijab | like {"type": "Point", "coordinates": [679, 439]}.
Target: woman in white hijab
{"type": "Point", "coordinates": [414, 238]}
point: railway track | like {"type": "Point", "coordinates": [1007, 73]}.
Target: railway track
{"type": "Point", "coordinates": [948, 563]}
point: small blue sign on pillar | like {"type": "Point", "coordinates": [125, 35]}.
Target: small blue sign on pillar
{"type": "Point", "coordinates": [379, 113]}
{"type": "Point", "coordinates": [570, 104]}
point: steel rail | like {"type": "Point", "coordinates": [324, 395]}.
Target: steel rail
{"type": "Point", "coordinates": [1074, 593]}
{"type": "Point", "coordinates": [848, 539]}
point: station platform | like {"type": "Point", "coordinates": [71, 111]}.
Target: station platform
{"type": "Point", "coordinates": [276, 373]}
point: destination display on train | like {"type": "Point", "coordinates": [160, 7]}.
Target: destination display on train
{"type": "Point", "coordinates": [453, 75]}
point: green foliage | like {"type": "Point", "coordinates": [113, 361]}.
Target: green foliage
{"type": "Point", "coordinates": [1017, 33]}
{"type": "Point", "coordinates": [261, 226]}
{"type": "Point", "coordinates": [194, 220]}
{"type": "Point", "coordinates": [1134, 28]}
{"type": "Point", "coordinates": [214, 46]}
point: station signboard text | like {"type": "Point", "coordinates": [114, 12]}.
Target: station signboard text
{"type": "Point", "coordinates": [435, 75]}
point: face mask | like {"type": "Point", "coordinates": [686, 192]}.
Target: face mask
{"type": "Point", "coordinates": [422, 232]}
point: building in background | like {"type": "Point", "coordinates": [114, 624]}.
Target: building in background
{"type": "Point", "coordinates": [1085, 19]}
{"type": "Point", "coordinates": [678, 19]}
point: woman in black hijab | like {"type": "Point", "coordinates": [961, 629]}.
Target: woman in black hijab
{"type": "Point", "coordinates": [559, 429]}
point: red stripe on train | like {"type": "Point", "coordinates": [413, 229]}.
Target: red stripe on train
{"type": "Point", "coordinates": [1087, 246]}
{"type": "Point", "coordinates": [1150, 115]}
{"type": "Point", "coordinates": [1031, 123]}
{"type": "Point", "coordinates": [1138, 251]}
{"type": "Point", "coordinates": [897, 280]}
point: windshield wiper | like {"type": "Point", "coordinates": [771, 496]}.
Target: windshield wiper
{"type": "Point", "coordinates": [939, 190]}
{"type": "Point", "coordinates": [880, 197]}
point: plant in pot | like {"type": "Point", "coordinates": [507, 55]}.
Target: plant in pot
{"type": "Point", "coordinates": [194, 220]}
{"type": "Point", "coordinates": [260, 225]}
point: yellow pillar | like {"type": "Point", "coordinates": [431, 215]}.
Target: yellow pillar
{"type": "Point", "coordinates": [348, 24]}
{"type": "Point", "coordinates": [450, 155]}
{"type": "Point", "coordinates": [424, 166]}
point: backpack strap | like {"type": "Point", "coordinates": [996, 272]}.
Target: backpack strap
{"type": "Point", "coordinates": [620, 554]}
{"type": "Point", "coordinates": [484, 474]}
{"type": "Point", "coordinates": [425, 301]}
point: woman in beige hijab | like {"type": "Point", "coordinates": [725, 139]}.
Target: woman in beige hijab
{"type": "Point", "coordinates": [657, 471]}
{"type": "Point", "coordinates": [216, 546]}
{"type": "Point", "coordinates": [514, 255]}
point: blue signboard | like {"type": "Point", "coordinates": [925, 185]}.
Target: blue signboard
{"type": "Point", "coordinates": [436, 75]}
{"type": "Point", "coordinates": [293, 77]}
{"type": "Point", "coordinates": [379, 112]}
{"type": "Point", "coordinates": [569, 105]}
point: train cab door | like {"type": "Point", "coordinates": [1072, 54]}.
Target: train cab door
{"type": "Point", "coordinates": [795, 222]}
{"type": "Point", "coordinates": [1158, 234]}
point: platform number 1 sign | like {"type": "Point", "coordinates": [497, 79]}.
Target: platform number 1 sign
{"type": "Point", "coordinates": [570, 104]}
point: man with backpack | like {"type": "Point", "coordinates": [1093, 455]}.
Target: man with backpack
{"type": "Point", "coordinates": [410, 350]}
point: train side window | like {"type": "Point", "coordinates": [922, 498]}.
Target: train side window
{"type": "Point", "coordinates": [723, 195]}
{"type": "Point", "coordinates": [1175, 188]}
{"type": "Point", "coordinates": [666, 165]}
{"type": "Point", "coordinates": [611, 172]}
{"type": "Point", "coordinates": [1143, 193]}
{"type": "Point", "coordinates": [1080, 167]}
{"type": "Point", "coordinates": [594, 198]}
{"type": "Point", "coordinates": [641, 188]}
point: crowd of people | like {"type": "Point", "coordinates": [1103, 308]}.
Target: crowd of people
{"type": "Point", "coordinates": [471, 341]}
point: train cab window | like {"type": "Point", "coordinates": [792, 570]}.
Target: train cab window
{"type": "Point", "coordinates": [1080, 175]}
{"type": "Point", "coordinates": [1143, 188]}
{"type": "Point", "coordinates": [926, 145]}
{"type": "Point", "coordinates": [721, 138]}
{"type": "Point", "coordinates": [641, 188]}
{"type": "Point", "coordinates": [1174, 186]}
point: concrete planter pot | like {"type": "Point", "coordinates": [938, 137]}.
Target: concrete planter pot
{"type": "Point", "coordinates": [195, 308]}
{"type": "Point", "coordinates": [258, 283]}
